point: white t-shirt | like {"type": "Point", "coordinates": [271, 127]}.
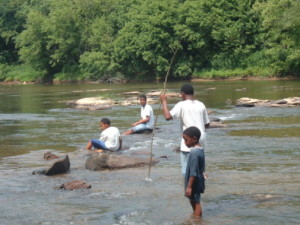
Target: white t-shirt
{"type": "Point", "coordinates": [191, 113]}
{"type": "Point", "coordinates": [110, 136]}
{"type": "Point", "coordinates": [147, 111]}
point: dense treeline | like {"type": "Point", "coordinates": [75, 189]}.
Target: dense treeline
{"type": "Point", "coordinates": [136, 39]}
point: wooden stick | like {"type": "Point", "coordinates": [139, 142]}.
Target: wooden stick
{"type": "Point", "coordinates": [157, 113]}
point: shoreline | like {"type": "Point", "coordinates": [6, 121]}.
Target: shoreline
{"type": "Point", "coordinates": [191, 80]}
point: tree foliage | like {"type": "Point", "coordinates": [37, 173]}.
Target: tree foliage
{"type": "Point", "coordinates": [101, 39]}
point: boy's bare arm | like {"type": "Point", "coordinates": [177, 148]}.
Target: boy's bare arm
{"type": "Point", "coordinates": [188, 190]}
{"type": "Point", "coordinates": [141, 121]}
{"type": "Point", "coordinates": [166, 112]}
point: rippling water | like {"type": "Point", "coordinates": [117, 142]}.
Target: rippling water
{"type": "Point", "coordinates": [253, 163]}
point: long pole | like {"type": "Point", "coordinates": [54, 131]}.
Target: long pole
{"type": "Point", "coordinates": [157, 113]}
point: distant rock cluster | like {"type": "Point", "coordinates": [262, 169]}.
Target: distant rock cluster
{"type": "Point", "coordinates": [285, 102]}
{"type": "Point", "coordinates": [100, 103]}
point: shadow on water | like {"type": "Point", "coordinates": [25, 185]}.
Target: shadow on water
{"type": "Point", "coordinates": [252, 164]}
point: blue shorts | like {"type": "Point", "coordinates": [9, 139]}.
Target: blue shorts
{"type": "Point", "coordinates": [140, 127]}
{"type": "Point", "coordinates": [98, 144]}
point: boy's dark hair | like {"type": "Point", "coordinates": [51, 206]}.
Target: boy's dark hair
{"type": "Point", "coordinates": [143, 96]}
{"type": "Point", "coordinates": [187, 89]}
{"type": "Point", "coordinates": [192, 132]}
{"type": "Point", "coordinates": [106, 121]}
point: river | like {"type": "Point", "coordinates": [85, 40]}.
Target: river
{"type": "Point", "coordinates": [252, 164]}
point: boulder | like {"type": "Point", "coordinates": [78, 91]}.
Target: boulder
{"type": "Point", "coordinates": [97, 103]}
{"type": "Point", "coordinates": [251, 102]}
{"type": "Point", "coordinates": [75, 184]}
{"type": "Point", "coordinates": [93, 101]}
{"type": "Point", "coordinates": [59, 167]}
{"type": "Point", "coordinates": [103, 160]}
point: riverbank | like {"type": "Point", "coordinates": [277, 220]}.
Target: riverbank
{"type": "Point", "coordinates": [140, 81]}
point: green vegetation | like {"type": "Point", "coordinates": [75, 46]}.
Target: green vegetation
{"type": "Point", "coordinates": [114, 40]}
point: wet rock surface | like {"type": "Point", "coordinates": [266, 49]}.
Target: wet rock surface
{"type": "Point", "coordinates": [99, 103]}
{"type": "Point", "coordinates": [75, 184]}
{"type": "Point", "coordinates": [59, 167]}
{"type": "Point", "coordinates": [101, 161]}
{"type": "Point", "coordinates": [50, 156]}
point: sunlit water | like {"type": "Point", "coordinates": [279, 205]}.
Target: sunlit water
{"type": "Point", "coordinates": [252, 164]}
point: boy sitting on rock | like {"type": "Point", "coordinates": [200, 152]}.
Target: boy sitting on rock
{"type": "Point", "coordinates": [109, 138]}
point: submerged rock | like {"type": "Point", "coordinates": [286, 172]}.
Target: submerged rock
{"type": "Point", "coordinates": [50, 156]}
{"type": "Point", "coordinates": [75, 184]}
{"type": "Point", "coordinates": [219, 124]}
{"type": "Point", "coordinates": [103, 160]}
{"type": "Point", "coordinates": [286, 102]}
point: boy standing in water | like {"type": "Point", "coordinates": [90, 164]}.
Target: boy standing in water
{"type": "Point", "coordinates": [194, 175]}
{"type": "Point", "coordinates": [190, 112]}
{"type": "Point", "coordinates": [109, 138]}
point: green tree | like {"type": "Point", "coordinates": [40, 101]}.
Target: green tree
{"type": "Point", "coordinates": [148, 40]}
{"type": "Point", "coordinates": [96, 61]}
{"type": "Point", "coordinates": [11, 23]}
{"type": "Point", "coordinates": [233, 31]}
{"type": "Point", "coordinates": [281, 29]}
{"type": "Point", "coordinates": [51, 39]}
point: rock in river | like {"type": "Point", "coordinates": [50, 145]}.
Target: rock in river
{"type": "Point", "coordinates": [103, 160]}
{"type": "Point", "coordinates": [75, 184]}
{"type": "Point", "coordinates": [286, 102]}
{"type": "Point", "coordinates": [58, 167]}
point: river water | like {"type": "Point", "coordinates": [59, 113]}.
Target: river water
{"type": "Point", "coordinates": [252, 164]}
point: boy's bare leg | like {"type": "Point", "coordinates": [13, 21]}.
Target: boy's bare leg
{"type": "Point", "coordinates": [89, 145]}
{"type": "Point", "coordinates": [128, 132]}
{"type": "Point", "coordinates": [198, 210]}
{"type": "Point", "coordinates": [193, 206]}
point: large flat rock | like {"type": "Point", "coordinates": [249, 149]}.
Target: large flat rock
{"type": "Point", "coordinates": [101, 161]}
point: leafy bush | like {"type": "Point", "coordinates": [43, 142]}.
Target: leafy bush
{"type": "Point", "coordinates": [22, 73]}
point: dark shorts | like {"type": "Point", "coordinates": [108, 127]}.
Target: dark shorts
{"type": "Point", "coordinates": [195, 197]}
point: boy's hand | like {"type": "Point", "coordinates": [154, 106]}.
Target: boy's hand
{"type": "Point", "coordinates": [188, 192]}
